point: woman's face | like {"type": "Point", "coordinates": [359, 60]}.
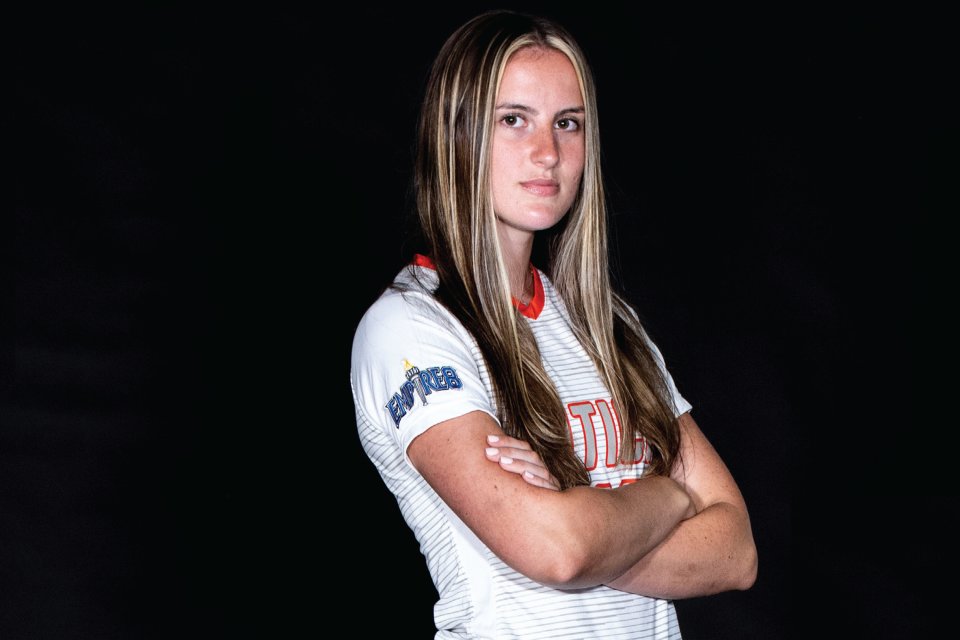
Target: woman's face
{"type": "Point", "coordinates": [538, 142]}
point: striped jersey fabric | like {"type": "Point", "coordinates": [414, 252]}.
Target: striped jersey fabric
{"type": "Point", "coordinates": [414, 365]}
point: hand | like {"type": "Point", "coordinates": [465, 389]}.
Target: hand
{"type": "Point", "coordinates": [516, 456]}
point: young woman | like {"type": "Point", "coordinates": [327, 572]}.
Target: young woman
{"type": "Point", "coordinates": [535, 441]}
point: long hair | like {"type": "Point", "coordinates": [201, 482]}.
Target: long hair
{"type": "Point", "coordinates": [454, 202]}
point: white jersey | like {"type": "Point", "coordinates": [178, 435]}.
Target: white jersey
{"type": "Point", "coordinates": [413, 366]}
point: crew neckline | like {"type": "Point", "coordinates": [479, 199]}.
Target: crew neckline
{"type": "Point", "coordinates": [530, 310]}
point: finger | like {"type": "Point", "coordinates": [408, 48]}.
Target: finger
{"type": "Point", "coordinates": [522, 461]}
{"type": "Point", "coordinates": [526, 455]}
{"type": "Point", "coordinates": [532, 473]}
{"type": "Point", "coordinates": [537, 481]}
{"type": "Point", "coordinates": [513, 465]}
{"type": "Point", "coordinates": [525, 463]}
{"type": "Point", "coordinates": [507, 441]}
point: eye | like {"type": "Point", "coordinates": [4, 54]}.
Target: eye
{"type": "Point", "coordinates": [512, 120]}
{"type": "Point", "coordinates": [568, 124]}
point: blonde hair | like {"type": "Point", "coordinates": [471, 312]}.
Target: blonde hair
{"type": "Point", "coordinates": [454, 202]}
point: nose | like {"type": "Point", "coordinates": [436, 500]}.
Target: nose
{"type": "Point", "coordinates": [545, 152]}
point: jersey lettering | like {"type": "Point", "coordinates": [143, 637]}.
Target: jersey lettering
{"type": "Point", "coordinates": [611, 430]}
{"type": "Point", "coordinates": [622, 483]}
{"type": "Point", "coordinates": [582, 412]}
{"type": "Point", "coordinates": [581, 415]}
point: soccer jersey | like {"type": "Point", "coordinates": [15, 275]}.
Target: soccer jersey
{"type": "Point", "coordinates": [413, 366]}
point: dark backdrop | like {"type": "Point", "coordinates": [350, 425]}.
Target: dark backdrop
{"type": "Point", "coordinates": [206, 201]}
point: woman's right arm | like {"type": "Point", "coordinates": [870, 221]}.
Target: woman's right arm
{"type": "Point", "coordinates": [577, 538]}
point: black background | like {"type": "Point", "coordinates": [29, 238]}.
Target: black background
{"type": "Point", "coordinates": [206, 201]}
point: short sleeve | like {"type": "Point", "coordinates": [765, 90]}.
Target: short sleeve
{"type": "Point", "coordinates": [414, 366]}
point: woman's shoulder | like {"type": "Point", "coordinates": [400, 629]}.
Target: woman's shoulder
{"type": "Point", "coordinates": [407, 302]}
{"type": "Point", "coordinates": [412, 288]}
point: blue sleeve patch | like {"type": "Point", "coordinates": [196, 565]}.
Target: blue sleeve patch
{"type": "Point", "coordinates": [420, 384]}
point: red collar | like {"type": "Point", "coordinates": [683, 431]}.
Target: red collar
{"type": "Point", "coordinates": [531, 310]}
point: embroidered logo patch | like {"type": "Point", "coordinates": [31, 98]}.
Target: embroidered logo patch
{"type": "Point", "coordinates": [420, 384]}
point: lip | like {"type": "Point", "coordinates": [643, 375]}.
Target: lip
{"type": "Point", "coordinates": [541, 187]}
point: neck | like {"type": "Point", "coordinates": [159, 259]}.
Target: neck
{"type": "Point", "coordinates": [516, 254]}
{"type": "Point", "coordinates": [522, 288]}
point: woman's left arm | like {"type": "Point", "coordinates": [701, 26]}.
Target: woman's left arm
{"type": "Point", "coordinates": [710, 552]}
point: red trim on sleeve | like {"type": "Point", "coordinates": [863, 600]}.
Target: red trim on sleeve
{"type": "Point", "coordinates": [531, 310]}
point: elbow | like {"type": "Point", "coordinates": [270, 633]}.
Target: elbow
{"type": "Point", "coordinates": [567, 564]}
{"type": "Point", "coordinates": [747, 576]}
{"type": "Point", "coordinates": [560, 575]}
{"type": "Point", "coordinates": [744, 559]}
{"type": "Point", "coordinates": [576, 571]}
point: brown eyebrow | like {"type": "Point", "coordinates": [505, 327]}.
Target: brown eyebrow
{"type": "Point", "coordinates": [531, 110]}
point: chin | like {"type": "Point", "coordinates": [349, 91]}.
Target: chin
{"type": "Point", "coordinates": [545, 221]}
{"type": "Point", "coordinates": [532, 219]}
